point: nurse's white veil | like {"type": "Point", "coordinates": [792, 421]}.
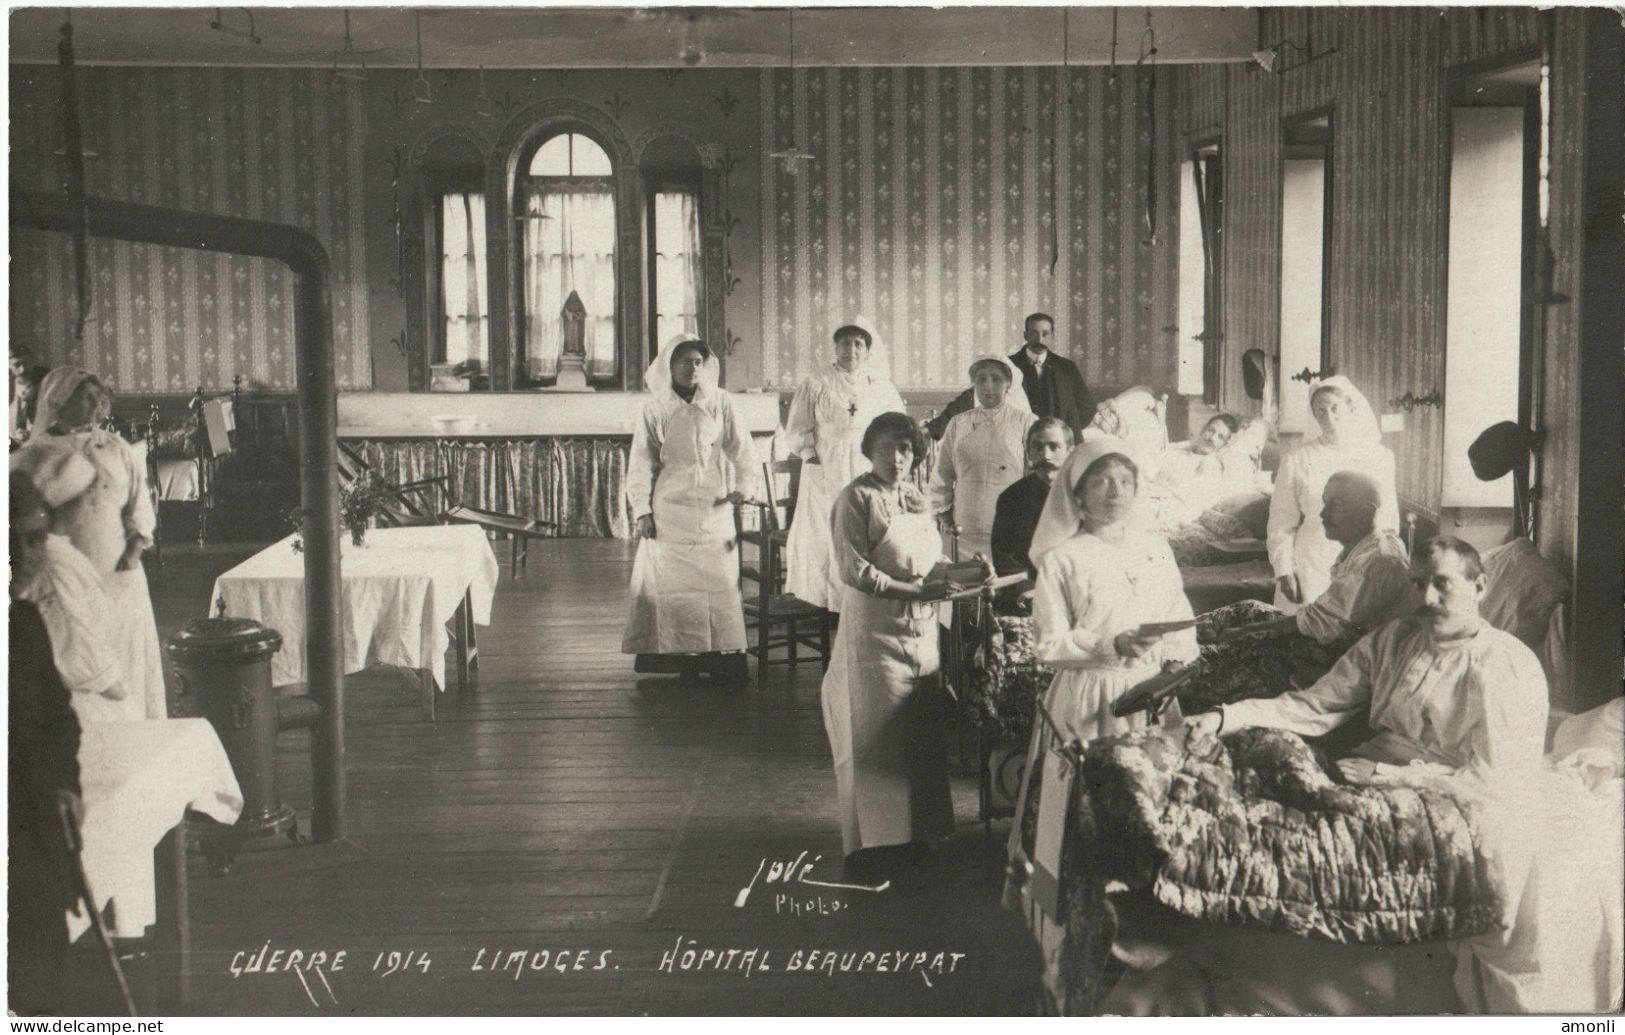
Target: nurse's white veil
{"type": "Point", "coordinates": [878, 363]}
{"type": "Point", "coordinates": [1062, 517]}
{"type": "Point", "coordinates": [1363, 427]}
{"type": "Point", "coordinates": [657, 378]}
{"type": "Point", "coordinates": [1016, 397]}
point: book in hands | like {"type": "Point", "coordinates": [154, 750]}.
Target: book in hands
{"type": "Point", "coordinates": [1164, 628]}
{"type": "Point", "coordinates": [964, 573]}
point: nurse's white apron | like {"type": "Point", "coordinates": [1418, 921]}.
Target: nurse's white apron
{"type": "Point", "coordinates": [986, 462]}
{"type": "Point", "coordinates": [809, 572]}
{"type": "Point", "coordinates": [685, 581]}
{"type": "Point", "coordinates": [881, 708]}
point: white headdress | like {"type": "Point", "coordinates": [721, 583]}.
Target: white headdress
{"type": "Point", "coordinates": [1062, 517]}
{"type": "Point", "coordinates": [54, 393]}
{"type": "Point", "coordinates": [657, 378]}
{"type": "Point", "coordinates": [878, 363]}
{"type": "Point", "coordinates": [1362, 425]}
{"type": "Point", "coordinates": [1016, 396]}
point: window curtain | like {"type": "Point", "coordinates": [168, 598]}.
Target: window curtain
{"type": "Point", "coordinates": [677, 266]}
{"type": "Point", "coordinates": [462, 278]}
{"type": "Point", "coordinates": [570, 246]}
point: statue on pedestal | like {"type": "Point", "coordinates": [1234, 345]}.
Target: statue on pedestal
{"type": "Point", "coordinates": [572, 375]}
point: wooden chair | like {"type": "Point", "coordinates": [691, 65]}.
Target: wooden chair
{"type": "Point", "coordinates": [778, 620]}
{"type": "Point", "coordinates": [415, 504]}
{"type": "Point", "coordinates": [410, 505]}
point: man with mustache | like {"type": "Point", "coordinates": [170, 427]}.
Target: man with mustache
{"type": "Point", "coordinates": [1441, 685]}
{"type": "Point", "coordinates": [1016, 513]}
{"type": "Point", "coordinates": [1460, 707]}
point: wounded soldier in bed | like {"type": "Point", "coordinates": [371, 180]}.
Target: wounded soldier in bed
{"type": "Point", "coordinates": [1461, 707]}
{"type": "Point", "coordinates": [1015, 515]}
{"type": "Point", "coordinates": [1259, 652]}
{"type": "Point", "coordinates": [1441, 685]}
{"type": "Point", "coordinates": [1250, 649]}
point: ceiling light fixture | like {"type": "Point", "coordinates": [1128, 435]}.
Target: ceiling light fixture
{"type": "Point", "coordinates": [347, 63]}
{"type": "Point", "coordinates": [219, 25]}
{"type": "Point", "coordinates": [422, 92]}
{"type": "Point", "coordinates": [692, 53]}
{"type": "Point", "coordinates": [792, 156]}
{"type": "Point", "coordinates": [1271, 58]}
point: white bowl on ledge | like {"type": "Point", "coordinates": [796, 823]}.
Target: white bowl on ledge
{"type": "Point", "coordinates": [453, 425]}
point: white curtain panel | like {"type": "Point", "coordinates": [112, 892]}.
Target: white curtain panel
{"type": "Point", "coordinates": [570, 246]}
{"type": "Point", "coordinates": [462, 277]}
{"type": "Point", "coordinates": [677, 265]}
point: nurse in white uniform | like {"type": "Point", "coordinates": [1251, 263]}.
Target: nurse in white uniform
{"type": "Point", "coordinates": [1349, 439]}
{"type": "Point", "coordinates": [691, 459]}
{"type": "Point", "coordinates": [825, 428]}
{"type": "Point", "coordinates": [982, 454]}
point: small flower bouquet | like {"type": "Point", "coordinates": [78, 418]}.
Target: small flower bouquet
{"type": "Point", "coordinates": [359, 504]}
{"type": "Point", "coordinates": [295, 517]}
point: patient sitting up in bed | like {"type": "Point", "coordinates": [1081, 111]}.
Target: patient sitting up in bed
{"type": "Point", "coordinates": [1462, 706]}
{"type": "Point", "coordinates": [1252, 649]}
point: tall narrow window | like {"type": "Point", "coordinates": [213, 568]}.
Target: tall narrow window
{"type": "Point", "coordinates": [568, 201]}
{"type": "Point", "coordinates": [1201, 255]}
{"type": "Point", "coordinates": [1492, 359]}
{"type": "Point", "coordinates": [1306, 170]}
{"type": "Point", "coordinates": [677, 270]}
{"type": "Point", "coordinates": [465, 328]}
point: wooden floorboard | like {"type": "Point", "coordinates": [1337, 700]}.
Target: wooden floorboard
{"type": "Point", "coordinates": [567, 804]}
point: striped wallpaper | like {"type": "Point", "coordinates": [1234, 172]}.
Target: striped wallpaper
{"type": "Point", "coordinates": [1386, 86]}
{"type": "Point", "coordinates": [274, 144]}
{"type": "Point", "coordinates": [933, 206]}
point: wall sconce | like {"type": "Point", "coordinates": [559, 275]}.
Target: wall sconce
{"type": "Point", "coordinates": [1271, 59]}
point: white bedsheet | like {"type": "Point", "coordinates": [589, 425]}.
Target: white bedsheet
{"type": "Point", "coordinates": [138, 780]}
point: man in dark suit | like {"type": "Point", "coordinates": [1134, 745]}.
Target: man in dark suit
{"type": "Point", "coordinates": [1015, 517]}
{"type": "Point", "coordinates": [1053, 383]}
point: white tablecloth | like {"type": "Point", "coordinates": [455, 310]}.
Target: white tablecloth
{"type": "Point", "coordinates": [138, 780]}
{"type": "Point", "coordinates": [400, 590]}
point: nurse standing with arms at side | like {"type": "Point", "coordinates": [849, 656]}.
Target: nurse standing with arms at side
{"type": "Point", "coordinates": [825, 428]}
{"type": "Point", "coordinates": [688, 453]}
{"type": "Point", "coordinates": [983, 453]}
{"type": "Point", "coordinates": [1349, 439]}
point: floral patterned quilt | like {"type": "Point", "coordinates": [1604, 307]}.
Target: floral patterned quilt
{"type": "Point", "coordinates": [1256, 829]}
{"type": "Point", "coordinates": [1005, 688]}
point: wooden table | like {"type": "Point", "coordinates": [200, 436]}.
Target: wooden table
{"type": "Point", "coordinates": [400, 592]}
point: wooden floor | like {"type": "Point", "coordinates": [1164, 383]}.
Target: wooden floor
{"type": "Point", "coordinates": [570, 808]}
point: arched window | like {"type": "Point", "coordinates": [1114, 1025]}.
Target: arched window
{"type": "Point", "coordinates": [566, 198]}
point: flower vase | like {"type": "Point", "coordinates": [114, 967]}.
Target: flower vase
{"type": "Point", "coordinates": [358, 534]}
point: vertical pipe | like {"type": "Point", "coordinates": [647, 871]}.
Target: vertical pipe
{"type": "Point", "coordinates": [318, 412]}
{"type": "Point", "coordinates": [318, 447]}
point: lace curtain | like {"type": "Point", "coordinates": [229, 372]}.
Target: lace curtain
{"type": "Point", "coordinates": [570, 246]}
{"type": "Point", "coordinates": [677, 265]}
{"type": "Point", "coordinates": [462, 278]}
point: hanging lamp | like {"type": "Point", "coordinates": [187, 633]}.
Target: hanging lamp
{"type": "Point", "coordinates": [792, 156]}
